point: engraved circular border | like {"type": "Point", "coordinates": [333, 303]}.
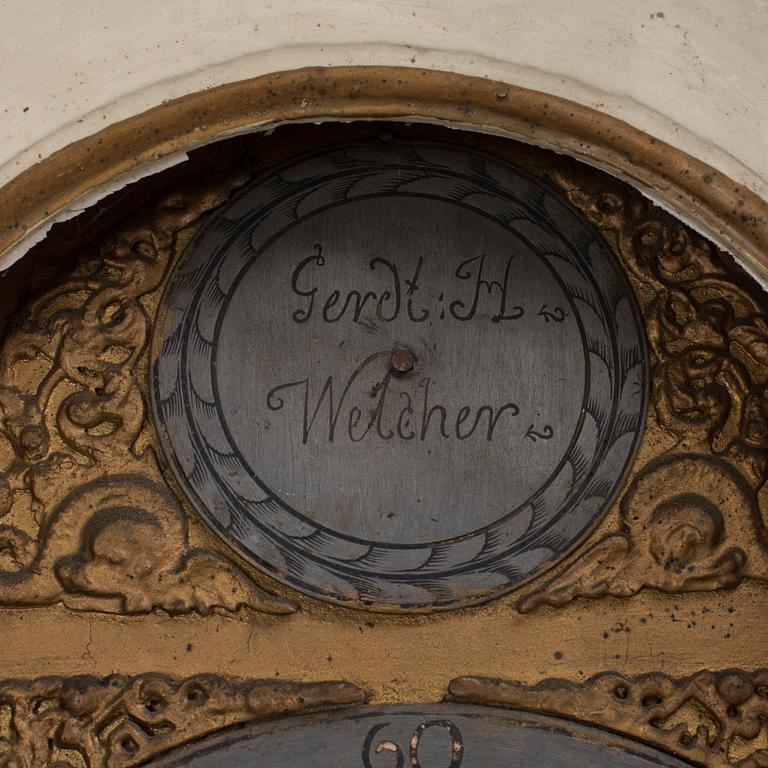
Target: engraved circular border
{"type": "Point", "coordinates": [469, 569]}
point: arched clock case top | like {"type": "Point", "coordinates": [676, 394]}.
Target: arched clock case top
{"type": "Point", "coordinates": [428, 277]}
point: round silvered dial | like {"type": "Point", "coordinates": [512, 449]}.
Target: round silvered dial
{"type": "Point", "coordinates": [399, 377]}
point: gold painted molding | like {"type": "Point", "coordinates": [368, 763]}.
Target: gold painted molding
{"type": "Point", "coordinates": [715, 719]}
{"type": "Point", "coordinates": [729, 212]}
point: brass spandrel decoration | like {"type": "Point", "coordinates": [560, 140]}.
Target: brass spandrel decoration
{"type": "Point", "coordinates": [716, 719]}
{"type": "Point", "coordinates": [117, 722]}
{"type": "Point", "coordinates": [90, 521]}
{"type": "Point", "coordinates": [691, 519]}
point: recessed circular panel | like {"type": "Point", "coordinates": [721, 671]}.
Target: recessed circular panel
{"type": "Point", "coordinates": [402, 377]}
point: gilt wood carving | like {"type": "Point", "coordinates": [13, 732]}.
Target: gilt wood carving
{"type": "Point", "coordinates": [117, 722]}
{"type": "Point", "coordinates": [691, 518]}
{"type": "Point", "coordinates": [716, 719]}
{"type": "Point", "coordinates": [89, 519]}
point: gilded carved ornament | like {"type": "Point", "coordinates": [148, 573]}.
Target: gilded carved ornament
{"type": "Point", "coordinates": [117, 722]}
{"type": "Point", "coordinates": [716, 719]}
{"type": "Point", "coordinates": [91, 521]}
{"type": "Point", "coordinates": [691, 519]}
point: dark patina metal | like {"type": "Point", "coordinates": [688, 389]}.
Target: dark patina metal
{"type": "Point", "coordinates": [432, 736]}
{"type": "Point", "coordinates": [400, 377]}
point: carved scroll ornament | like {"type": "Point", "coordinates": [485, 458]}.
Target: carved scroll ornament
{"type": "Point", "coordinates": [118, 722]}
{"type": "Point", "coordinates": [716, 719]}
{"type": "Point", "coordinates": [89, 519]}
{"type": "Point", "coordinates": [690, 518]}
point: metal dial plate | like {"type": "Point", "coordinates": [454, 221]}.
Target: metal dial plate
{"type": "Point", "coordinates": [437, 736]}
{"type": "Point", "coordinates": [399, 377]}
